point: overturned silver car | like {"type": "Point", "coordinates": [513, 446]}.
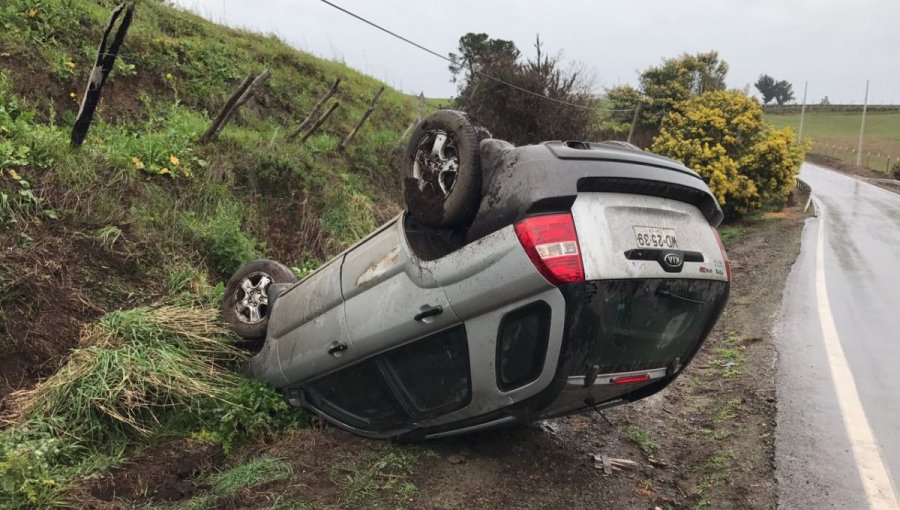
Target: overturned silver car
{"type": "Point", "coordinates": [521, 283]}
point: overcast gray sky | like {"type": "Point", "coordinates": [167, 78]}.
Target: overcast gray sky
{"type": "Point", "coordinates": [835, 45]}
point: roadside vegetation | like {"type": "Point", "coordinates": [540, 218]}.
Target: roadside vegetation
{"type": "Point", "coordinates": [683, 112]}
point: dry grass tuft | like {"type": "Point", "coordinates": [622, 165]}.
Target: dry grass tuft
{"type": "Point", "coordinates": [132, 368]}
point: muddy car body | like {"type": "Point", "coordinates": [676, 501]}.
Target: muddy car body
{"type": "Point", "coordinates": [589, 277]}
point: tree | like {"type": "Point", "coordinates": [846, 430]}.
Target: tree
{"type": "Point", "coordinates": [825, 101]}
{"type": "Point", "coordinates": [766, 87]}
{"type": "Point", "coordinates": [662, 87]}
{"type": "Point", "coordinates": [478, 50]}
{"type": "Point", "coordinates": [513, 113]}
{"type": "Point", "coordinates": [784, 92]}
{"type": "Point", "coordinates": [745, 161]}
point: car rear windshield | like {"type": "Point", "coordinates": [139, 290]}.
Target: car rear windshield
{"type": "Point", "coordinates": [645, 324]}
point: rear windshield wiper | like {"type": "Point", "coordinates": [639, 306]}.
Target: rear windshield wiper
{"type": "Point", "coordinates": [663, 292]}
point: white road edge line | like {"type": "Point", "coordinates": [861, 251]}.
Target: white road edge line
{"type": "Point", "coordinates": [871, 468]}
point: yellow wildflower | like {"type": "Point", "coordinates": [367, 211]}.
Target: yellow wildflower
{"type": "Point", "coordinates": [15, 175]}
{"type": "Point", "coordinates": [169, 76]}
{"type": "Point", "coordinates": [70, 64]}
{"type": "Point", "coordinates": [32, 13]}
{"type": "Point", "coordinates": [174, 160]}
{"type": "Point", "coordinates": [137, 163]}
{"type": "Point", "coordinates": [164, 171]}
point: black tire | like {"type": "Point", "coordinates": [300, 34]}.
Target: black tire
{"type": "Point", "coordinates": [435, 195]}
{"type": "Point", "coordinates": [237, 312]}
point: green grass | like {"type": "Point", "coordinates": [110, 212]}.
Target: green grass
{"type": "Point", "coordinates": [376, 475]}
{"type": "Point", "coordinates": [141, 164]}
{"type": "Point", "coordinates": [641, 437]}
{"type": "Point", "coordinates": [836, 134]}
{"type": "Point", "coordinates": [729, 356]}
{"type": "Point", "coordinates": [225, 484]}
{"type": "Point", "coordinates": [259, 470]}
{"type": "Point", "coordinates": [841, 124]}
{"type": "Point", "coordinates": [139, 375]}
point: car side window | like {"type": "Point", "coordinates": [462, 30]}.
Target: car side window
{"type": "Point", "coordinates": [422, 379]}
{"type": "Point", "coordinates": [432, 374]}
{"type": "Point", "coordinates": [358, 397]}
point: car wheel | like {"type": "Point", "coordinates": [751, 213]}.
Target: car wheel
{"type": "Point", "coordinates": [442, 181]}
{"type": "Point", "coordinates": [246, 304]}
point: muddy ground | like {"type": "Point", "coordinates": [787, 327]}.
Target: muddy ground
{"type": "Point", "coordinates": [705, 442]}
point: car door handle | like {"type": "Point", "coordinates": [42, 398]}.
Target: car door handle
{"type": "Point", "coordinates": [430, 312]}
{"type": "Point", "coordinates": [336, 349]}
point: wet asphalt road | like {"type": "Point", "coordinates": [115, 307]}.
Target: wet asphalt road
{"type": "Point", "coordinates": [816, 464]}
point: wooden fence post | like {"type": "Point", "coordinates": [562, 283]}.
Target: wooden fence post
{"type": "Point", "coordinates": [315, 110]}
{"type": "Point", "coordinates": [220, 118]}
{"type": "Point", "coordinates": [362, 121]}
{"type": "Point", "coordinates": [106, 57]}
{"type": "Point", "coordinates": [242, 95]}
{"type": "Point", "coordinates": [319, 122]}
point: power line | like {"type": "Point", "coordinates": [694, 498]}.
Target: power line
{"type": "Point", "coordinates": [479, 73]}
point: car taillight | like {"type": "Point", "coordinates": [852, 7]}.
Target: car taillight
{"type": "Point", "coordinates": [724, 254]}
{"type": "Point", "coordinates": [552, 245]}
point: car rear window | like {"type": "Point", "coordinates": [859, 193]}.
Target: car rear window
{"type": "Point", "coordinates": [647, 323]}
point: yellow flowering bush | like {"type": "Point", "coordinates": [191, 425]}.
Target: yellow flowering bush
{"type": "Point", "coordinates": [746, 162]}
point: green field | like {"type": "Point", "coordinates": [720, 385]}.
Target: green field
{"type": "Point", "coordinates": [837, 134]}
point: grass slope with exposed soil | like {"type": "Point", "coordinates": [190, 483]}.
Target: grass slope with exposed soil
{"type": "Point", "coordinates": [142, 208]}
{"type": "Point", "coordinates": [144, 215]}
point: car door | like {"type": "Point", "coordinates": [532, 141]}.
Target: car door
{"type": "Point", "coordinates": [389, 299]}
{"type": "Point", "coordinates": [307, 330]}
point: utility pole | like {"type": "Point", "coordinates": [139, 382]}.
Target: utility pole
{"type": "Point", "coordinates": [802, 114]}
{"type": "Point", "coordinates": [862, 126]}
{"type": "Point", "coordinates": [637, 111]}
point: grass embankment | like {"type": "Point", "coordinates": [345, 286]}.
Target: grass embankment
{"type": "Point", "coordinates": [142, 211]}
{"type": "Point", "coordinates": [138, 376]}
{"type": "Point", "coordinates": [836, 134]}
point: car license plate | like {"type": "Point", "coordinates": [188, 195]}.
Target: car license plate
{"type": "Point", "coordinates": [653, 237]}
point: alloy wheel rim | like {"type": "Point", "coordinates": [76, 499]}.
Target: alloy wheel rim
{"type": "Point", "coordinates": [436, 163]}
{"type": "Point", "coordinates": [252, 301]}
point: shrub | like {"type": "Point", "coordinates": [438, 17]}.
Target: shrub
{"type": "Point", "coordinates": [895, 170]}
{"type": "Point", "coordinates": [746, 162]}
